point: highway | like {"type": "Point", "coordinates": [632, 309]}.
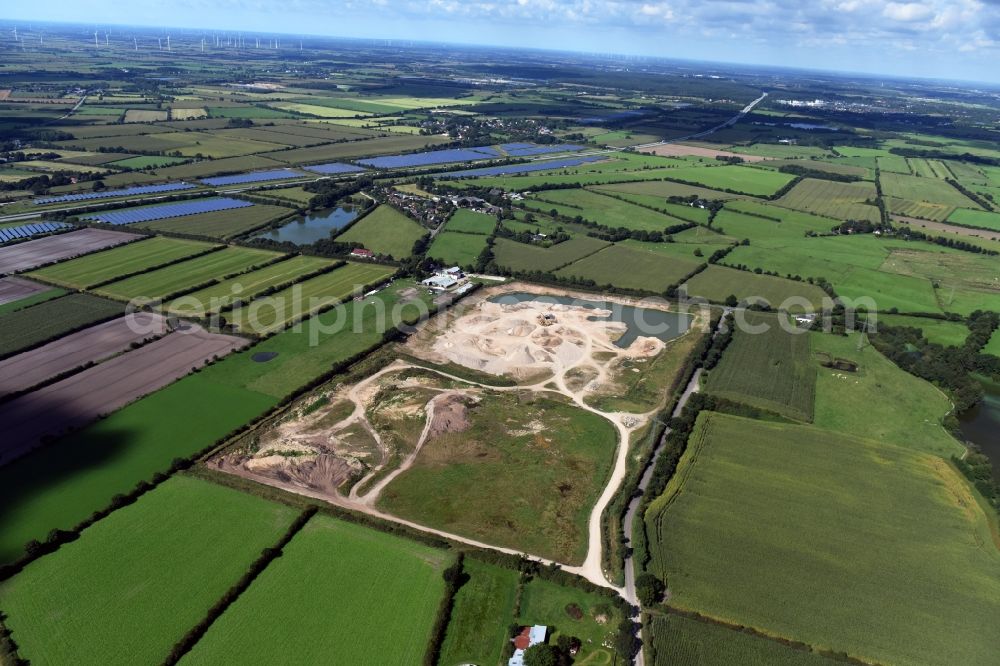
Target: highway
{"type": "Point", "coordinates": [699, 135]}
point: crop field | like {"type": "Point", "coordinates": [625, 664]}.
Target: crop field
{"type": "Point", "coordinates": [923, 209]}
{"type": "Point", "coordinates": [267, 315]}
{"type": "Point", "coordinates": [525, 258]}
{"type": "Point", "coordinates": [460, 249]}
{"type": "Point", "coordinates": [682, 212]}
{"type": "Point", "coordinates": [30, 254]}
{"type": "Point", "coordinates": [600, 208]}
{"type": "Point", "coordinates": [211, 167]}
{"type": "Point", "coordinates": [962, 281]}
{"type": "Point", "coordinates": [679, 640]}
{"type": "Point", "coordinates": [67, 607]}
{"type": "Point", "coordinates": [353, 149]}
{"type": "Point", "coordinates": [842, 201]}
{"type": "Point", "coordinates": [27, 301]}
{"type": "Point", "coordinates": [661, 189]}
{"type": "Point", "coordinates": [915, 188]}
{"type": "Point", "coordinates": [482, 465]}
{"type": "Point", "coordinates": [976, 218]}
{"type": "Point", "coordinates": [223, 224]}
{"type": "Point", "coordinates": [647, 271]}
{"type": "Point", "coordinates": [717, 283]}
{"type": "Point", "coordinates": [294, 194]}
{"type": "Point", "coordinates": [144, 116]}
{"type": "Point", "coordinates": [893, 163]}
{"type": "Point", "coordinates": [162, 282]}
{"type": "Point", "coordinates": [385, 231]}
{"type": "Point", "coordinates": [764, 522]}
{"type": "Point", "coordinates": [320, 598]}
{"type": "Point", "coordinates": [30, 326]}
{"type": "Point", "coordinates": [220, 296]}
{"type": "Point", "coordinates": [746, 180]}
{"type": "Point", "coordinates": [484, 608]}
{"type": "Point", "coordinates": [147, 162]}
{"type": "Point", "coordinates": [772, 369]}
{"type": "Point", "coordinates": [109, 264]}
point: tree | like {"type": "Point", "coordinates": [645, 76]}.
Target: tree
{"type": "Point", "coordinates": [541, 655]}
{"type": "Point", "coordinates": [732, 301]}
{"type": "Point", "coordinates": [649, 589]}
{"type": "Point", "coordinates": [99, 185]}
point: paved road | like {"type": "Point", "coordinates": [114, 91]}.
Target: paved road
{"type": "Point", "coordinates": [699, 135]}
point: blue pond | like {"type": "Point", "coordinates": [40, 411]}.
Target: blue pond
{"type": "Point", "coordinates": [312, 227]}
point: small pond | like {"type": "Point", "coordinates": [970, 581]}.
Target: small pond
{"type": "Point", "coordinates": [981, 425]}
{"type": "Point", "coordinates": [312, 227]}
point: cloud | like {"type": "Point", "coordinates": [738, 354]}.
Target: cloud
{"type": "Point", "coordinates": [907, 11]}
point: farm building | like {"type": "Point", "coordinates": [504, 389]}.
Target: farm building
{"type": "Point", "coordinates": [362, 253]}
{"type": "Point", "coordinates": [440, 282]}
{"type": "Point", "coordinates": [529, 636]}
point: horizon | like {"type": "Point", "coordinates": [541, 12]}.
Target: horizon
{"type": "Point", "coordinates": [932, 40]}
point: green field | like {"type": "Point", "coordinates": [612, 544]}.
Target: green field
{"type": "Point", "coordinates": [510, 486]}
{"type": "Point", "coordinates": [471, 222]}
{"type": "Point", "coordinates": [222, 224]}
{"type": "Point", "coordinates": [938, 331]}
{"type": "Point", "coordinates": [245, 286]}
{"type": "Point", "coordinates": [460, 249]}
{"type": "Point", "coordinates": [915, 188]}
{"type": "Point", "coordinates": [162, 282]}
{"type": "Point", "coordinates": [151, 570]}
{"type": "Point", "coordinates": [66, 481]}
{"type": "Point", "coordinates": [109, 264]}
{"type": "Point", "coordinates": [545, 602]}
{"type": "Point", "coordinates": [147, 162]}
{"type": "Point", "coordinates": [976, 218]}
{"type": "Point", "coordinates": [679, 640]}
{"type": "Point", "coordinates": [385, 231]}
{"type": "Point", "coordinates": [843, 201]}
{"type": "Point", "coordinates": [520, 257]}
{"type": "Point", "coordinates": [765, 522]}
{"type": "Point", "coordinates": [50, 319]}
{"type": "Point", "coordinates": [647, 271]}
{"type": "Point", "coordinates": [767, 366]}
{"type": "Point", "coordinates": [600, 208]}
{"type": "Point", "coordinates": [339, 594]}
{"type": "Point", "coordinates": [745, 180]}
{"type": "Point", "coordinates": [271, 313]}
{"type": "Point", "coordinates": [661, 189]}
{"type": "Point", "coordinates": [28, 301]}
{"type": "Point", "coordinates": [484, 608]}
{"type": "Point", "coordinates": [717, 283]}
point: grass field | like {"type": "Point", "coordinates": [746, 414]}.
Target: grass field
{"type": "Point", "coordinates": [147, 162]}
{"type": "Point", "coordinates": [843, 201]}
{"type": "Point", "coordinates": [764, 522]}
{"type": "Point", "coordinates": [484, 608]}
{"type": "Point", "coordinates": [647, 271]}
{"type": "Point", "coordinates": [976, 218]}
{"type": "Point", "coordinates": [90, 601]}
{"type": "Point", "coordinates": [66, 481]}
{"type": "Point", "coordinates": [269, 314]}
{"type": "Point", "coordinates": [223, 224]}
{"type": "Point", "coordinates": [772, 369]}
{"type": "Point", "coordinates": [471, 222]}
{"type": "Point", "coordinates": [879, 402]}
{"type": "Point", "coordinates": [521, 257]}
{"type": "Point", "coordinates": [340, 593]}
{"type": "Point", "coordinates": [600, 208]}
{"type": "Point", "coordinates": [915, 188]}
{"type": "Point", "coordinates": [747, 180]}
{"type": "Point", "coordinates": [717, 283]}
{"type": "Point", "coordinates": [923, 209]}
{"type": "Point", "coordinates": [351, 149]}
{"type": "Point", "coordinates": [109, 264]}
{"type": "Point", "coordinates": [30, 326]}
{"type": "Point", "coordinates": [939, 331]}
{"type": "Point", "coordinates": [220, 296]}
{"type": "Point", "coordinates": [661, 189]}
{"type": "Point", "coordinates": [679, 640]}
{"type": "Point", "coordinates": [545, 602]}
{"type": "Point", "coordinates": [385, 231]}
{"type": "Point", "coordinates": [28, 301]}
{"type": "Point", "coordinates": [527, 489]}
{"type": "Point", "coordinates": [164, 281]}
{"type": "Point", "coordinates": [460, 249]}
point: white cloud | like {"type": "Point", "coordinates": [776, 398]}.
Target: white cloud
{"type": "Point", "coordinates": [907, 11]}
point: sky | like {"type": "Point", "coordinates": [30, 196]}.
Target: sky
{"type": "Point", "coordinates": [951, 39]}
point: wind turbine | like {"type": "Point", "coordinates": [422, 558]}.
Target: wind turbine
{"type": "Point", "coordinates": [106, 41]}
{"type": "Point", "coordinates": [202, 44]}
{"type": "Point", "coordinates": [97, 44]}
{"type": "Point", "coordinates": [136, 43]}
{"type": "Point", "coordinates": [258, 42]}
{"type": "Point", "coordinates": [168, 42]}
{"type": "Point", "coordinates": [159, 43]}
{"type": "Point", "coordinates": [15, 33]}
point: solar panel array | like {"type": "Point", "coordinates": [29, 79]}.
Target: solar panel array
{"type": "Point", "coordinates": [334, 168]}
{"type": "Point", "coordinates": [182, 209]}
{"type": "Point", "coordinates": [431, 157]}
{"type": "Point", "coordinates": [106, 194]}
{"type": "Point", "coordinates": [253, 177]}
{"type": "Point", "coordinates": [528, 149]}
{"type": "Point", "coordinates": [26, 230]}
{"type": "Point", "coordinates": [523, 168]}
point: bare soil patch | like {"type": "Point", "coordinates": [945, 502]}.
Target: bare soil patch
{"type": "Point", "coordinates": [682, 150]}
{"type": "Point", "coordinates": [16, 288]}
{"type": "Point", "coordinates": [34, 253]}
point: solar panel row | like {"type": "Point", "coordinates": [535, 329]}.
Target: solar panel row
{"type": "Point", "coordinates": [26, 230]}
{"type": "Point", "coordinates": [528, 149]}
{"type": "Point", "coordinates": [182, 209]}
{"type": "Point", "coordinates": [254, 177]}
{"type": "Point", "coordinates": [334, 168]}
{"type": "Point", "coordinates": [106, 194]}
{"type": "Point", "coordinates": [523, 168]}
{"type": "Point", "coordinates": [431, 157]}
